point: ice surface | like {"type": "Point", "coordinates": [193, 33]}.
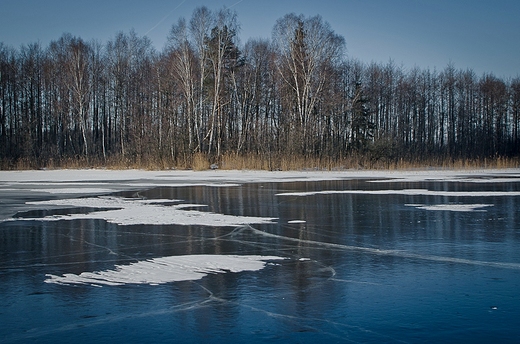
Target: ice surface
{"type": "Point", "coordinates": [166, 269]}
{"type": "Point", "coordinates": [440, 257]}
{"type": "Point", "coordinates": [385, 252]}
{"type": "Point", "coordinates": [130, 211]}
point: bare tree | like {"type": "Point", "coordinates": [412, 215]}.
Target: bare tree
{"type": "Point", "coordinates": [78, 68]}
{"type": "Point", "coordinates": [222, 54]}
{"type": "Point", "coordinates": [183, 67]}
{"type": "Point", "coordinates": [6, 99]}
{"type": "Point", "coordinates": [306, 48]}
{"type": "Point", "coordinates": [200, 26]}
{"type": "Point", "coordinates": [515, 109]}
{"type": "Point", "coordinates": [494, 107]}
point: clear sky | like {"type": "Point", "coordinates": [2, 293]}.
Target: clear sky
{"type": "Point", "coordinates": [483, 35]}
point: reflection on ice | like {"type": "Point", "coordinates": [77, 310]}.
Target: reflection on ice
{"type": "Point", "coordinates": [166, 269]}
{"type": "Point", "coordinates": [130, 211]}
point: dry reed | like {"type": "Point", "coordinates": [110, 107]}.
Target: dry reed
{"type": "Point", "coordinates": [233, 161]}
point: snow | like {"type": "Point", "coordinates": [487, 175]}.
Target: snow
{"type": "Point", "coordinates": [132, 211]}
{"type": "Point", "coordinates": [222, 176]}
{"type": "Point", "coordinates": [16, 187]}
{"type": "Point", "coordinates": [166, 269]}
{"type": "Point", "coordinates": [482, 180]}
{"type": "Point", "coordinates": [74, 191]}
{"type": "Point", "coordinates": [452, 207]}
{"type": "Point", "coordinates": [408, 192]}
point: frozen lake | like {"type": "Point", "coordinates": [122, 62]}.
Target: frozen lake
{"type": "Point", "coordinates": [134, 256]}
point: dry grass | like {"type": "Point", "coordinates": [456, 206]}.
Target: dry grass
{"type": "Point", "coordinates": [200, 162]}
{"type": "Point", "coordinates": [359, 162]}
{"type": "Point", "coordinates": [455, 164]}
{"type": "Point", "coordinates": [231, 161]}
{"type": "Point", "coordinates": [244, 162]}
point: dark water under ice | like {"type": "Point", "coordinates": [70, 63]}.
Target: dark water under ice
{"type": "Point", "coordinates": [361, 267]}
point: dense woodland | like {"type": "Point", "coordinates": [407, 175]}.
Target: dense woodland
{"type": "Point", "coordinates": [207, 95]}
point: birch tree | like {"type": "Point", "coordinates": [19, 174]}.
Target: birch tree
{"type": "Point", "coordinates": [183, 68]}
{"type": "Point", "coordinates": [78, 67]}
{"type": "Point", "coordinates": [222, 54]}
{"type": "Point", "coordinates": [307, 48]}
{"type": "Point", "coordinates": [200, 26]}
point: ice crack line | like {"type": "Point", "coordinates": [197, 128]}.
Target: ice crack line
{"type": "Point", "coordinates": [395, 253]}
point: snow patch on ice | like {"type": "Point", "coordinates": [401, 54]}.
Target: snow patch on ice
{"type": "Point", "coordinates": [166, 269]}
{"type": "Point", "coordinates": [452, 207]}
{"type": "Point", "coordinates": [161, 183]}
{"type": "Point", "coordinates": [74, 191]}
{"type": "Point", "coordinates": [129, 211]}
{"type": "Point", "coordinates": [408, 192]}
{"type": "Point", "coordinates": [59, 191]}
{"type": "Point", "coordinates": [482, 180]}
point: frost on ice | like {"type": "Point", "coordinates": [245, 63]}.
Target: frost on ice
{"type": "Point", "coordinates": [166, 269]}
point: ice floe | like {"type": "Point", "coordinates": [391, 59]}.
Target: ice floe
{"type": "Point", "coordinates": [166, 269]}
{"type": "Point", "coordinates": [131, 211]}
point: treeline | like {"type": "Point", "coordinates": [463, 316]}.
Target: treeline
{"type": "Point", "coordinates": [295, 95]}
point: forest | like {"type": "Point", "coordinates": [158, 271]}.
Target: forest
{"type": "Point", "coordinates": [208, 99]}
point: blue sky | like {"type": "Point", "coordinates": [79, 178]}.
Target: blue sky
{"type": "Point", "coordinates": [483, 35]}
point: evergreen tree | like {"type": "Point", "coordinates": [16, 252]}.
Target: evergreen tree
{"type": "Point", "coordinates": [362, 128]}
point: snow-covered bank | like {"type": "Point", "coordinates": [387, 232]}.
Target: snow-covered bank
{"type": "Point", "coordinates": [234, 176]}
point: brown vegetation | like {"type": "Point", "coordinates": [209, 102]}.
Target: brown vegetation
{"type": "Point", "coordinates": [201, 162]}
